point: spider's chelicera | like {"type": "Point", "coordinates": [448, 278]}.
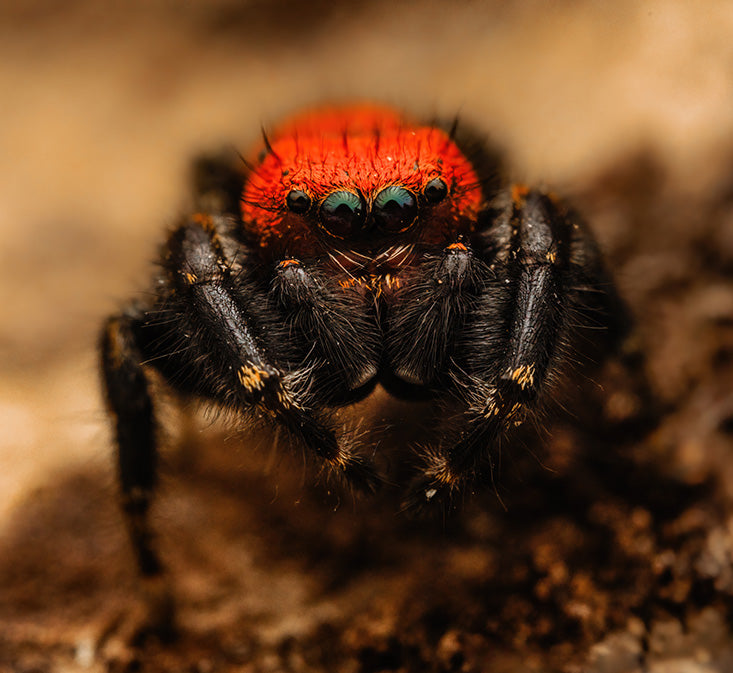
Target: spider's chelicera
{"type": "Point", "coordinates": [360, 249]}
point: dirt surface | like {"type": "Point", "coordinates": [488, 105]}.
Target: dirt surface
{"type": "Point", "coordinates": [608, 545]}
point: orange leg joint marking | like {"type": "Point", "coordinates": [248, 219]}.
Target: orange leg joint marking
{"type": "Point", "coordinates": [252, 378]}
{"type": "Point", "coordinates": [351, 282]}
{"type": "Point", "coordinates": [523, 375]}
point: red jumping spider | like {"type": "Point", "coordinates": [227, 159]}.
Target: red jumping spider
{"type": "Point", "coordinates": [360, 249]}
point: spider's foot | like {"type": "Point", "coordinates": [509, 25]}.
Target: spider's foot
{"type": "Point", "coordinates": [161, 610]}
{"type": "Point", "coordinates": [151, 617]}
{"type": "Point", "coordinates": [431, 494]}
{"type": "Point", "coordinates": [357, 472]}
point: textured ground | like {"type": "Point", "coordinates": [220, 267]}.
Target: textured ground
{"type": "Point", "coordinates": [613, 552]}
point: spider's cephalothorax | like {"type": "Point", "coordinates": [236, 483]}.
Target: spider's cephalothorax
{"type": "Point", "coordinates": [359, 249]}
{"type": "Point", "coordinates": [359, 185]}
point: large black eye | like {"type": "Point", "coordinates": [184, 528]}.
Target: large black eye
{"type": "Point", "coordinates": [342, 213]}
{"type": "Point", "coordinates": [395, 208]}
{"type": "Point", "coordinates": [298, 201]}
{"type": "Point", "coordinates": [436, 190]}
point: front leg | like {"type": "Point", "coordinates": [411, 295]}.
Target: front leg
{"type": "Point", "coordinates": [204, 335]}
{"type": "Point", "coordinates": [215, 335]}
{"type": "Point", "coordinates": [550, 286]}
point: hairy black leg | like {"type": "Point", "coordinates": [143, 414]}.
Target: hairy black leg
{"type": "Point", "coordinates": [501, 381]}
{"type": "Point", "coordinates": [335, 321]}
{"type": "Point", "coordinates": [428, 311]}
{"type": "Point", "coordinates": [129, 401]}
{"type": "Point", "coordinates": [208, 322]}
{"type": "Point", "coordinates": [127, 391]}
{"type": "Point", "coordinates": [222, 336]}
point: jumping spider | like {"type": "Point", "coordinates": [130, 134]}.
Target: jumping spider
{"type": "Point", "coordinates": [359, 249]}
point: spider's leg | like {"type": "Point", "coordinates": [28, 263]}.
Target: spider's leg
{"type": "Point", "coordinates": [229, 347]}
{"type": "Point", "coordinates": [130, 403]}
{"type": "Point", "coordinates": [334, 319]}
{"type": "Point", "coordinates": [427, 312]}
{"type": "Point", "coordinates": [515, 335]}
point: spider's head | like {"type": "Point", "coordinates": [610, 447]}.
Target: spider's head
{"type": "Point", "coordinates": [361, 179]}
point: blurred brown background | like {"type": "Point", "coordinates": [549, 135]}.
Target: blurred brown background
{"type": "Point", "coordinates": [627, 106]}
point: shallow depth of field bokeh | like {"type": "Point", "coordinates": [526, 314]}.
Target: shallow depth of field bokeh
{"type": "Point", "coordinates": [624, 106]}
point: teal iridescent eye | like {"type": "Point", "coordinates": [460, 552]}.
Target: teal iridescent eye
{"type": "Point", "coordinates": [395, 209]}
{"type": "Point", "coordinates": [342, 213]}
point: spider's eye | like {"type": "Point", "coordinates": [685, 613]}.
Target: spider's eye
{"type": "Point", "coordinates": [342, 213]}
{"type": "Point", "coordinates": [436, 190]}
{"type": "Point", "coordinates": [298, 201]}
{"type": "Point", "coordinates": [395, 209]}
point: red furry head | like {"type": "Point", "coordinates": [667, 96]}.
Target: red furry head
{"type": "Point", "coordinates": [358, 178]}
